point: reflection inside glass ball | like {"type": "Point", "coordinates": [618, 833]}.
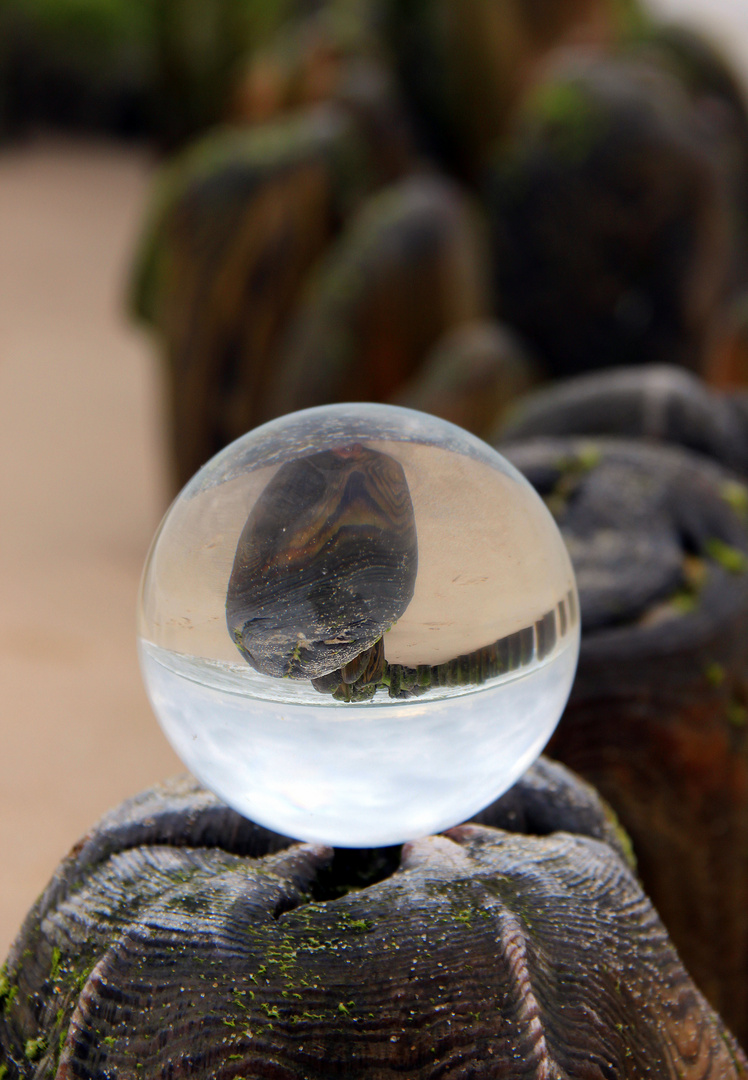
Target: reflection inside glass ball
{"type": "Point", "coordinates": [325, 564]}
{"type": "Point", "coordinates": [358, 625]}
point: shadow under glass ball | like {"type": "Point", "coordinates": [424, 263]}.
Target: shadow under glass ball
{"type": "Point", "coordinates": [325, 564]}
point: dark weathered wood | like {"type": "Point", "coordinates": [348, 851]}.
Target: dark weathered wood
{"type": "Point", "coordinates": [718, 97]}
{"type": "Point", "coordinates": [330, 52]}
{"type": "Point", "coordinates": [238, 224]}
{"type": "Point", "coordinates": [471, 377]}
{"type": "Point", "coordinates": [610, 220]}
{"type": "Point", "coordinates": [610, 240]}
{"type": "Point", "coordinates": [464, 64]}
{"type": "Point", "coordinates": [308, 59]}
{"type": "Point", "coordinates": [163, 948]}
{"type": "Point", "coordinates": [658, 715]}
{"type": "Point", "coordinates": [659, 403]}
{"type": "Point", "coordinates": [411, 266]}
{"type": "Point", "coordinates": [727, 366]}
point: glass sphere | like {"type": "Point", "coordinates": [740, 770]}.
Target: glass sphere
{"type": "Point", "coordinates": [358, 625]}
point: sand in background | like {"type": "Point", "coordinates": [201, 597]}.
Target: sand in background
{"type": "Point", "coordinates": [81, 491]}
{"type": "Point", "coordinates": [724, 22]}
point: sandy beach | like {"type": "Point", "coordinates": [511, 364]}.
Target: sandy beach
{"type": "Point", "coordinates": [82, 488]}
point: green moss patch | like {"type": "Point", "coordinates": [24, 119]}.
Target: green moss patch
{"type": "Point", "coordinates": [729, 558]}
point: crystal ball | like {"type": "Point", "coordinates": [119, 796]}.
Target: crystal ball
{"type": "Point", "coordinates": [358, 625]}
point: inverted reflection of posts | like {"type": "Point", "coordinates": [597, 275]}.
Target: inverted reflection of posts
{"type": "Point", "coordinates": [358, 624]}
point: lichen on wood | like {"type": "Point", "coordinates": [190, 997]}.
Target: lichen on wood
{"type": "Point", "coordinates": [169, 943]}
{"type": "Point", "coordinates": [657, 715]}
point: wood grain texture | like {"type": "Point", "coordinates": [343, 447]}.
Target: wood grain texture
{"type": "Point", "coordinates": [325, 564]}
{"type": "Point", "coordinates": [167, 945]}
{"type": "Point", "coordinates": [657, 718]}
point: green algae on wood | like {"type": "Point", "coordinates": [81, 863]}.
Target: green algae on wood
{"type": "Point", "coordinates": [657, 715]}
{"type": "Point", "coordinates": [455, 957]}
{"type": "Point", "coordinates": [464, 64]}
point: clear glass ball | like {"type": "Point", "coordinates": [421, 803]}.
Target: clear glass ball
{"type": "Point", "coordinates": [358, 625]}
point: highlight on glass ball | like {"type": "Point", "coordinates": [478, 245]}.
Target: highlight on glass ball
{"type": "Point", "coordinates": [358, 625]}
